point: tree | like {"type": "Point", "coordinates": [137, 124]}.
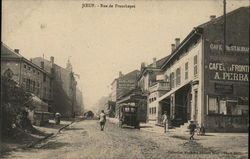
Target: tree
{"type": "Point", "coordinates": [14, 100]}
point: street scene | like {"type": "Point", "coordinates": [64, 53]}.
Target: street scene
{"type": "Point", "coordinates": [125, 79]}
{"type": "Point", "coordinates": [85, 140]}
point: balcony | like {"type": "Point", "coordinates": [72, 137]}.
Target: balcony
{"type": "Point", "coordinates": [159, 86]}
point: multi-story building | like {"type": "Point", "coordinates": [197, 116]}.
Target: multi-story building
{"type": "Point", "coordinates": [152, 85]}
{"type": "Point", "coordinates": [79, 109]}
{"type": "Point", "coordinates": [28, 75]}
{"type": "Point", "coordinates": [209, 82]}
{"type": "Point", "coordinates": [123, 84]}
{"type": "Point", "coordinates": [64, 86]}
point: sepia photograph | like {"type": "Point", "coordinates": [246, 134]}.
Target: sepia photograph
{"type": "Point", "coordinates": [124, 79]}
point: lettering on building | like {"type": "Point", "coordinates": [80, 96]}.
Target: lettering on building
{"type": "Point", "coordinates": [230, 72]}
{"type": "Point", "coordinates": [233, 48]}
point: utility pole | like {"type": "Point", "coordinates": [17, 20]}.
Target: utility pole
{"type": "Point", "coordinates": [224, 27]}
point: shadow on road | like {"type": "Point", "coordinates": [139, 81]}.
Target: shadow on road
{"type": "Point", "coordinates": [72, 128]}
{"type": "Point", "coordinates": [145, 126]}
{"type": "Point", "coordinates": [53, 145]}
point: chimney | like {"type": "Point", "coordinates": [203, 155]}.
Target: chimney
{"type": "Point", "coordinates": [212, 17]}
{"type": "Point", "coordinates": [120, 73]}
{"type": "Point", "coordinates": [143, 65]}
{"type": "Point", "coordinates": [177, 42]}
{"type": "Point", "coordinates": [154, 62]}
{"type": "Point", "coordinates": [42, 64]}
{"type": "Point", "coordinates": [52, 59]}
{"type": "Point", "coordinates": [16, 51]}
{"type": "Point", "coordinates": [172, 48]}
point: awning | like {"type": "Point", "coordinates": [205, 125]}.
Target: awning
{"type": "Point", "coordinates": [37, 104]}
{"type": "Point", "coordinates": [171, 92]}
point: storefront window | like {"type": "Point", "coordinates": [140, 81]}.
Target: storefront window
{"type": "Point", "coordinates": [226, 106]}
{"type": "Point", "coordinates": [213, 106]}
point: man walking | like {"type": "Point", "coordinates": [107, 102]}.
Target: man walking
{"type": "Point", "coordinates": [102, 120]}
{"type": "Point", "coordinates": [192, 127]}
{"type": "Point", "coordinates": [165, 121]}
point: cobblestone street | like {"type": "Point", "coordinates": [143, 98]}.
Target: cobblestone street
{"type": "Point", "coordinates": [85, 140]}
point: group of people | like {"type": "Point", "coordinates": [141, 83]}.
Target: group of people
{"type": "Point", "coordinates": [192, 126]}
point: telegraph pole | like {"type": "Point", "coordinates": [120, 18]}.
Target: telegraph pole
{"type": "Point", "coordinates": [224, 27]}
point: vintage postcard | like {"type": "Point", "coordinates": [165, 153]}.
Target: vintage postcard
{"type": "Point", "coordinates": [124, 79]}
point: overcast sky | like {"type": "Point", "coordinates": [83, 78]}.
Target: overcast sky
{"type": "Point", "coordinates": [103, 41]}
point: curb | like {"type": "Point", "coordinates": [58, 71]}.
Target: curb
{"type": "Point", "coordinates": [46, 137]}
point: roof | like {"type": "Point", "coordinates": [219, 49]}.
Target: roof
{"type": "Point", "coordinates": [7, 53]}
{"type": "Point", "coordinates": [216, 20]}
{"type": "Point", "coordinates": [197, 31]}
{"type": "Point", "coordinates": [159, 63]}
{"type": "Point", "coordinates": [131, 75]}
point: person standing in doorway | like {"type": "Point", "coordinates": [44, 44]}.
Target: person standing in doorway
{"type": "Point", "coordinates": [102, 119]}
{"type": "Point", "coordinates": [192, 127]}
{"type": "Point", "coordinates": [165, 121]}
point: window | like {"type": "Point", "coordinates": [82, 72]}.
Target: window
{"type": "Point", "coordinates": [178, 76]}
{"type": "Point", "coordinates": [44, 78]}
{"type": "Point", "coordinates": [195, 65]}
{"type": "Point", "coordinates": [24, 66]}
{"type": "Point", "coordinates": [186, 70]}
{"type": "Point", "coordinates": [213, 105]}
{"type": "Point", "coordinates": [28, 84]}
{"type": "Point", "coordinates": [219, 105]}
{"type": "Point", "coordinates": [172, 79]}
{"type": "Point", "coordinates": [28, 68]}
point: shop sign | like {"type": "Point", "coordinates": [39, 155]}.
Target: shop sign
{"type": "Point", "coordinates": [223, 88]}
{"type": "Point", "coordinates": [231, 72]}
{"type": "Point", "coordinates": [231, 48]}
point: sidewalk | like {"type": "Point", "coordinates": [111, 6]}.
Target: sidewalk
{"type": "Point", "coordinates": [22, 139]}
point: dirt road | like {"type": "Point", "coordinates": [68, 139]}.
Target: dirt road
{"type": "Point", "coordinates": [85, 140]}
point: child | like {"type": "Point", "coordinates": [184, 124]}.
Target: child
{"type": "Point", "coordinates": [192, 128]}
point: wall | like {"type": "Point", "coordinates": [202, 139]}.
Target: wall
{"type": "Point", "coordinates": [222, 79]}
{"type": "Point", "coordinates": [14, 66]}
{"type": "Point", "coordinates": [226, 123]}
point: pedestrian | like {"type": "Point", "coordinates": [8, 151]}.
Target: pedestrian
{"type": "Point", "coordinates": [102, 119]}
{"type": "Point", "coordinates": [192, 127]}
{"type": "Point", "coordinates": [165, 121]}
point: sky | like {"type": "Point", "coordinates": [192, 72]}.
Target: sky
{"type": "Point", "coordinates": [100, 42]}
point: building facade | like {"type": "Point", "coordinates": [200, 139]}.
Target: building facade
{"type": "Point", "coordinates": [28, 75]}
{"type": "Point", "coordinates": [208, 85]}
{"type": "Point", "coordinates": [152, 84]}
{"type": "Point", "coordinates": [122, 85]}
{"type": "Point", "coordinates": [64, 86]}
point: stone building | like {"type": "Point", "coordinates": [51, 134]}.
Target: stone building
{"type": "Point", "coordinates": [79, 106]}
{"type": "Point", "coordinates": [208, 85]}
{"type": "Point", "coordinates": [64, 85]}
{"type": "Point", "coordinates": [28, 75]}
{"type": "Point", "coordinates": [31, 78]}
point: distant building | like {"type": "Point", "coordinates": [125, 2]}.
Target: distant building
{"type": "Point", "coordinates": [28, 75]}
{"type": "Point", "coordinates": [79, 107]}
{"type": "Point", "coordinates": [64, 86]}
{"type": "Point", "coordinates": [123, 84]}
